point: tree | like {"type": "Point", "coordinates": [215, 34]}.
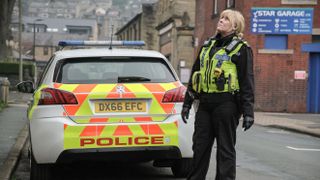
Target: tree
{"type": "Point", "coordinates": [6, 8]}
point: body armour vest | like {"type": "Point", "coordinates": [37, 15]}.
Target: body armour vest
{"type": "Point", "coordinates": [218, 74]}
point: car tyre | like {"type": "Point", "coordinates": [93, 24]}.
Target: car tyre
{"type": "Point", "coordinates": [182, 167]}
{"type": "Point", "coordinates": [39, 171]}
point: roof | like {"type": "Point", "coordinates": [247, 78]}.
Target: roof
{"type": "Point", "coordinates": [105, 52]}
{"type": "Point", "coordinates": [60, 24]}
{"type": "Point", "coordinates": [43, 39]}
{"type": "Point", "coordinates": [134, 19]}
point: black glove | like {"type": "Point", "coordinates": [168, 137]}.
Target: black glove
{"type": "Point", "coordinates": [185, 114]}
{"type": "Point", "coordinates": [247, 122]}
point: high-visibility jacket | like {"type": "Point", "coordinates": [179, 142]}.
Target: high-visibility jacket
{"type": "Point", "coordinates": [219, 65]}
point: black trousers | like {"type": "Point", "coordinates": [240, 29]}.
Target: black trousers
{"type": "Point", "coordinates": [215, 119]}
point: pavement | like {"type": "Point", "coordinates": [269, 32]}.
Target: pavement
{"type": "Point", "coordinates": [299, 122]}
{"type": "Point", "coordinates": [14, 130]}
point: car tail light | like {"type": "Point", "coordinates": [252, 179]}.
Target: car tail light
{"type": "Point", "coordinates": [50, 96]}
{"type": "Point", "coordinates": [174, 95]}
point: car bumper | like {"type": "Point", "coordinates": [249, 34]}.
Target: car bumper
{"type": "Point", "coordinates": [123, 154]}
{"type": "Point", "coordinates": [51, 142]}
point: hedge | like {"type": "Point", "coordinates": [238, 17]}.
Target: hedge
{"type": "Point", "coordinates": [2, 105]}
{"type": "Point", "coordinates": [13, 68]}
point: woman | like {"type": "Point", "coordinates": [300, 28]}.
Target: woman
{"type": "Point", "coordinates": [222, 80]}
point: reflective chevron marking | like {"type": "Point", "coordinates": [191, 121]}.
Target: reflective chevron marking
{"type": "Point", "coordinates": [143, 119]}
{"type": "Point", "coordinates": [92, 131]}
{"type": "Point", "coordinates": [57, 85]}
{"type": "Point", "coordinates": [122, 130]}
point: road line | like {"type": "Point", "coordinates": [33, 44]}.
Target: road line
{"type": "Point", "coordinates": [278, 132]}
{"type": "Point", "coordinates": [302, 149]}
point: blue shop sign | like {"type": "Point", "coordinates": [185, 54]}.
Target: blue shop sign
{"type": "Point", "coordinates": [281, 20]}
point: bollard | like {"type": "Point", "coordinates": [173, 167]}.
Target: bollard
{"type": "Point", "coordinates": [4, 85]}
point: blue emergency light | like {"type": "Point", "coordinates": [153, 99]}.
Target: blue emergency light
{"type": "Point", "coordinates": [100, 43]}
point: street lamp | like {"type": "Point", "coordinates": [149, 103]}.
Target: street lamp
{"type": "Point", "coordinates": [34, 48]}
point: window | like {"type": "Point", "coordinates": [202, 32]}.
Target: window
{"type": "Point", "coordinates": [45, 51]}
{"type": "Point", "coordinates": [315, 38]}
{"type": "Point", "coordinates": [135, 32]}
{"type": "Point", "coordinates": [230, 3]}
{"type": "Point", "coordinates": [272, 41]}
{"type": "Point", "coordinates": [15, 28]}
{"type": "Point", "coordinates": [165, 38]}
{"type": "Point", "coordinates": [168, 57]}
{"type": "Point", "coordinates": [215, 7]}
{"type": "Point", "coordinates": [46, 69]}
{"type": "Point", "coordinates": [118, 70]}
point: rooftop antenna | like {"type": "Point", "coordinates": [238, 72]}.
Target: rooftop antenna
{"type": "Point", "coordinates": [111, 37]}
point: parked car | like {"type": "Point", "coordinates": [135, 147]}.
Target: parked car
{"type": "Point", "coordinates": [107, 104]}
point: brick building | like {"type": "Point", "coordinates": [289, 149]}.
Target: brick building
{"type": "Point", "coordinates": [285, 64]}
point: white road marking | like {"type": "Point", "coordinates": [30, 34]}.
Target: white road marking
{"type": "Point", "coordinates": [302, 149]}
{"type": "Point", "coordinates": [278, 132]}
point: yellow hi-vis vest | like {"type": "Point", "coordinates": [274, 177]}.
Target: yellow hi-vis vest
{"type": "Point", "coordinates": [205, 79]}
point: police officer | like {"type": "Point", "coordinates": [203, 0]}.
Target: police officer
{"type": "Point", "coordinates": [222, 80]}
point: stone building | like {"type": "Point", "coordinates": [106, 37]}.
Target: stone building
{"type": "Point", "coordinates": [142, 27]}
{"type": "Point", "coordinates": [175, 27]}
{"type": "Point", "coordinates": [166, 26]}
{"type": "Point", "coordinates": [285, 62]}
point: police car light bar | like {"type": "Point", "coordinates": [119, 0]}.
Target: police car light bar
{"type": "Point", "coordinates": [100, 43]}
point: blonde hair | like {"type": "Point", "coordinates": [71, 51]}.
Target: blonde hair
{"type": "Point", "coordinates": [236, 19]}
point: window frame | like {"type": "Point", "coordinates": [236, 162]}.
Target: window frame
{"type": "Point", "coordinates": [215, 10]}
{"type": "Point", "coordinates": [45, 51]}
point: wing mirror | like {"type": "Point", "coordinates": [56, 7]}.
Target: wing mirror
{"type": "Point", "coordinates": [25, 87]}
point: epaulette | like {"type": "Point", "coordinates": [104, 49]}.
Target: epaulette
{"type": "Point", "coordinates": [246, 43]}
{"type": "Point", "coordinates": [208, 41]}
{"type": "Point", "coordinates": [233, 44]}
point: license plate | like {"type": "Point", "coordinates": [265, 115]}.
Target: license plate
{"type": "Point", "coordinates": [120, 106]}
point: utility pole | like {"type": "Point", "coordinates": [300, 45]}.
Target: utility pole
{"type": "Point", "coordinates": [34, 41]}
{"type": "Point", "coordinates": [20, 43]}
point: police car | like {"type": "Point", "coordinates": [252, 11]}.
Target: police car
{"type": "Point", "coordinates": [109, 104]}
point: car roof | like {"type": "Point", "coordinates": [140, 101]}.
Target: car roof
{"type": "Point", "coordinates": [105, 52]}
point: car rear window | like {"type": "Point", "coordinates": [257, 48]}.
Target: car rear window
{"type": "Point", "coordinates": [106, 70]}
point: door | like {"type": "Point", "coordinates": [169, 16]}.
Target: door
{"type": "Point", "coordinates": [313, 101]}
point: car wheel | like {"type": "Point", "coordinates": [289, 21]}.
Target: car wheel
{"type": "Point", "coordinates": [182, 167]}
{"type": "Point", "coordinates": [39, 171]}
